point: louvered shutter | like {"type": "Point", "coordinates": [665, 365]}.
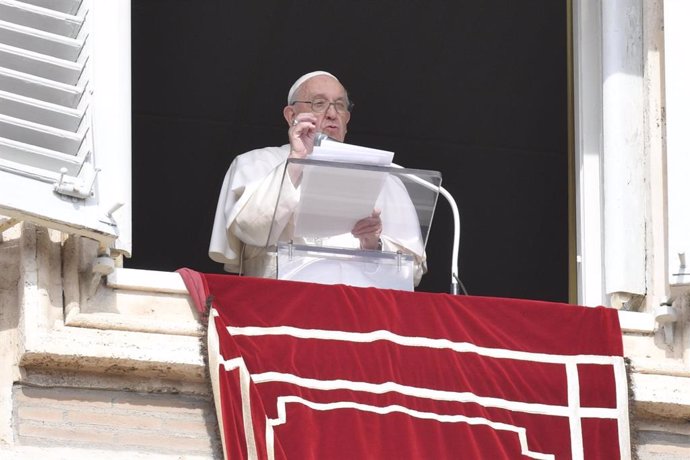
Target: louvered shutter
{"type": "Point", "coordinates": [65, 114]}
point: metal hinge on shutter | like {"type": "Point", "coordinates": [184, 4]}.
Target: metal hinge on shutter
{"type": "Point", "coordinates": [76, 187]}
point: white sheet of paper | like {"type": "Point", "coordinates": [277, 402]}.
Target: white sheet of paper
{"type": "Point", "coordinates": [347, 153]}
{"type": "Point", "coordinates": [333, 199]}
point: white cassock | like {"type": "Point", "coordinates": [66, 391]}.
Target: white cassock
{"type": "Point", "coordinates": [246, 211]}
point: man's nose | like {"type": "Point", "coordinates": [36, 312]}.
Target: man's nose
{"type": "Point", "coordinates": [330, 111]}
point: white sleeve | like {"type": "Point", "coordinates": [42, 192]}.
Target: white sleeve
{"type": "Point", "coordinates": [225, 248]}
{"type": "Point", "coordinates": [259, 212]}
{"type": "Point", "coordinates": [246, 203]}
{"type": "Point", "coordinates": [401, 229]}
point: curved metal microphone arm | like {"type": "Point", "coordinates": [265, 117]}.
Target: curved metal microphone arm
{"type": "Point", "coordinates": [454, 268]}
{"type": "Point", "coordinates": [455, 283]}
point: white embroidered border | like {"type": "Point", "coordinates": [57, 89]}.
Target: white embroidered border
{"type": "Point", "coordinates": [574, 420]}
{"type": "Point", "coordinates": [521, 432]}
{"type": "Point", "coordinates": [461, 347]}
{"type": "Point", "coordinates": [216, 360]}
{"type": "Point", "coordinates": [572, 411]}
{"type": "Point", "coordinates": [427, 393]}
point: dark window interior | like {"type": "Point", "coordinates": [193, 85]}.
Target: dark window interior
{"type": "Point", "coordinates": [476, 90]}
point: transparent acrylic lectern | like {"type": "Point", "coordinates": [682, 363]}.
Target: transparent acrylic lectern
{"type": "Point", "coordinates": [312, 222]}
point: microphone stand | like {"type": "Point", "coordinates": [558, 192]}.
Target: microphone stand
{"type": "Point", "coordinates": [455, 283]}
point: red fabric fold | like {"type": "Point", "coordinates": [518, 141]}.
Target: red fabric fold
{"type": "Point", "coordinates": [196, 284]}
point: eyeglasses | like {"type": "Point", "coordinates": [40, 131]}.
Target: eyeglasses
{"type": "Point", "coordinates": [322, 105]}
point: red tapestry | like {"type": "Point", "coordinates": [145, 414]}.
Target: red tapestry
{"type": "Point", "coordinates": [308, 371]}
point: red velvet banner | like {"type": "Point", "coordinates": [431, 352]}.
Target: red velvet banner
{"type": "Point", "coordinates": [307, 371]}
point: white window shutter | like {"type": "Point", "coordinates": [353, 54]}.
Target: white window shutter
{"type": "Point", "coordinates": [677, 37]}
{"type": "Point", "coordinates": [65, 116]}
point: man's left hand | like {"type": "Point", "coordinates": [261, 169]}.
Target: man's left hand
{"type": "Point", "coordinates": [368, 230]}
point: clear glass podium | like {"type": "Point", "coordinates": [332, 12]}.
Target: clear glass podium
{"type": "Point", "coordinates": [311, 228]}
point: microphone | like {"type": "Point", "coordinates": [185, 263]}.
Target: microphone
{"type": "Point", "coordinates": [320, 137]}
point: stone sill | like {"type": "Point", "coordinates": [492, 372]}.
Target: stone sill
{"type": "Point", "coordinates": [115, 353]}
{"type": "Point", "coordinates": [636, 322]}
{"type": "Point", "coordinates": [147, 280]}
{"type": "Point", "coordinates": [171, 283]}
{"type": "Point", "coordinates": [135, 301]}
{"type": "Point", "coordinates": [662, 396]}
{"type": "Point", "coordinates": [137, 326]}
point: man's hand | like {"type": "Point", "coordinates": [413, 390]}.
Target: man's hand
{"type": "Point", "coordinates": [302, 134]}
{"type": "Point", "coordinates": [368, 230]}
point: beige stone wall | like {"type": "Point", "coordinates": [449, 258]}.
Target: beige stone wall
{"type": "Point", "coordinates": [661, 439]}
{"type": "Point", "coordinates": [92, 368]}
{"type": "Point", "coordinates": [117, 421]}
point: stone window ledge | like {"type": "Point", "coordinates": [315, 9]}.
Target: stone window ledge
{"type": "Point", "coordinates": [135, 324]}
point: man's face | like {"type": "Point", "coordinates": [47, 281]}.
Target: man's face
{"type": "Point", "coordinates": [330, 122]}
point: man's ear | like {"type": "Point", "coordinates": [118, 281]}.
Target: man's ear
{"type": "Point", "coordinates": [289, 114]}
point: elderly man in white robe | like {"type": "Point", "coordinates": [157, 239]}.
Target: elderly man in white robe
{"type": "Point", "coordinates": [246, 210]}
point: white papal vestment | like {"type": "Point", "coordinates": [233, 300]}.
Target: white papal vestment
{"type": "Point", "coordinates": [246, 207]}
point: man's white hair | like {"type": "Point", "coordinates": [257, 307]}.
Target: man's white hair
{"type": "Point", "coordinates": [302, 79]}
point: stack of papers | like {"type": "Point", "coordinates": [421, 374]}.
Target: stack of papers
{"type": "Point", "coordinates": [331, 150]}
{"type": "Point", "coordinates": [333, 199]}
